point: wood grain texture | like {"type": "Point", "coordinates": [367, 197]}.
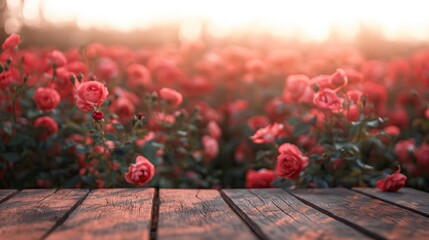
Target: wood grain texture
{"type": "Point", "coordinates": [276, 214]}
{"type": "Point", "coordinates": [5, 193]}
{"type": "Point", "coordinates": [408, 198]}
{"type": "Point", "coordinates": [381, 219]}
{"type": "Point", "coordinates": [198, 214]}
{"type": "Point", "coordinates": [110, 214]}
{"type": "Point", "coordinates": [32, 213]}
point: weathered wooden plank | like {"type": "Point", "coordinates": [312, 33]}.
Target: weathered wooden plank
{"type": "Point", "coordinates": [408, 198]}
{"type": "Point", "coordinates": [275, 214]}
{"type": "Point", "coordinates": [32, 213]}
{"type": "Point", "coordinates": [110, 214]}
{"type": "Point", "coordinates": [198, 214]}
{"type": "Point", "coordinates": [379, 219]}
{"type": "Point", "coordinates": [6, 193]}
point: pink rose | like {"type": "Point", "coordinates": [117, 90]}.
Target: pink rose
{"type": "Point", "coordinates": [214, 130]}
{"type": "Point", "coordinates": [339, 78]}
{"type": "Point", "coordinates": [57, 58]}
{"type": "Point", "coordinates": [211, 147]}
{"type": "Point", "coordinates": [140, 172]}
{"type": "Point", "coordinates": [46, 99]}
{"type": "Point", "coordinates": [353, 113]}
{"type": "Point", "coordinates": [403, 148]}
{"type": "Point", "coordinates": [393, 182]}
{"type": "Point", "coordinates": [290, 162]}
{"type": "Point", "coordinates": [124, 109]}
{"type": "Point", "coordinates": [328, 99]}
{"type": "Point", "coordinates": [171, 96]}
{"type": "Point", "coordinates": [106, 69]}
{"type": "Point", "coordinates": [90, 94]}
{"type": "Point", "coordinates": [355, 96]}
{"type": "Point", "coordinates": [267, 134]}
{"type": "Point", "coordinates": [262, 178]}
{"type": "Point", "coordinates": [298, 89]}
{"type": "Point", "coordinates": [49, 126]}
{"type": "Point", "coordinates": [276, 110]}
{"type": "Point", "coordinates": [11, 42]}
{"type": "Point", "coordinates": [138, 75]}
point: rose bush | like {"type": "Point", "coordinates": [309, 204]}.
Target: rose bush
{"type": "Point", "coordinates": [211, 116]}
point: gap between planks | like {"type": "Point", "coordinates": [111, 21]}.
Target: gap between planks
{"type": "Point", "coordinates": [9, 196]}
{"type": "Point", "coordinates": [250, 224]}
{"type": "Point", "coordinates": [391, 202]}
{"type": "Point", "coordinates": [154, 215]}
{"type": "Point", "coordinates": [338, 218]}
{"type": "Point", "coordinates": [66, 215]}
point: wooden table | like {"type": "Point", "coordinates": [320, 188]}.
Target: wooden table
{"type": "Point", "coordinates": [359, 213]}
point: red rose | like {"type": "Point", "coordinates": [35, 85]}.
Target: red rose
{"type": "Point", "coordinates": [211, 147]}
{"type": "Point", "coordinates": [46, 99]}
{"type": "Point", "coordinates": [6, 79]}
{"type": "Point", "coordinates": [140, 172]}
{"type": "Point", "coordinates": [399, 117]}
{"type": "Point", "coordinates": [290, 162]}
{"type": "Point", "coordinates": [90, 94]}
{"type": "Point", "coordinates": [262, 178]}
{"type": "Point", "coordinates": [124, 109]}
{"type": "Point", "coordinates": [11, 42]}
{"type": "Point", "coordinates": [214, 130]}
{"type": "Point", "coordinates": [267, 134]}
{"type": "Point", "coordinates": [171, 96]}
{"type": "Point", "coordinates": [328, 99]}
{"type": "Point", "coordinates": [257, 122]}
{"type": "Point", "coordinates": [49, 125]}
{"type": "Point", "coordinates": [422, 157]}
{"type": "Point", "coordinates": [427, 113]}
{"type": "Point", "coordinates": [393, 182]}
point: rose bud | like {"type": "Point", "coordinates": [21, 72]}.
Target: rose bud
{"type": "Point", "coordinates": [97, 116]}
{"type": "Point", "coordinates": [11, 42]}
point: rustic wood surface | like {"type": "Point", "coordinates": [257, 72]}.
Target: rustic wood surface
{"type": "Point", "coordinates": [110, 214]}
{"type": "Point", "coordinates": [6, 193]}
{"type": "Point", "coordinates": [408, 198]}
{"type": "Point", "coordinates": [148, 213]}
{"type": "Point", "coordinates": [198, 214]}
{"type": "Point", "coordinates": [32, 213]}
{"type": "Point", "coordinates": [277, 214]}
{"type": "Point", "coordinates": [375, 217]}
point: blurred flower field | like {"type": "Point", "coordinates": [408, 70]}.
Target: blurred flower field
{"type": "Point", "coordinates": [199, 116]}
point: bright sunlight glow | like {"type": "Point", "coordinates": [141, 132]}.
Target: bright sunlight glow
{"type": "Point", "coordinates": [304, 19]}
